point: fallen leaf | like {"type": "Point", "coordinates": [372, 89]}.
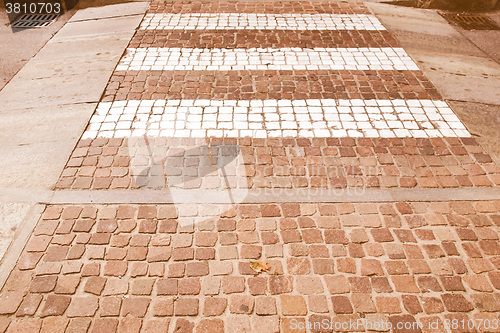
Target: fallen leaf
{"type": "Point", "coordinates": [259, 266]}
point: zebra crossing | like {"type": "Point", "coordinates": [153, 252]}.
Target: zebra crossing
{"type": "Point", "coordinates": [267, 59]}
{"type": "Point", "coordinates": [275, 118]}
{"type": "Point", "coordinates": [198, 116]}
{"type": "Point", "coordinates": [238, 21]}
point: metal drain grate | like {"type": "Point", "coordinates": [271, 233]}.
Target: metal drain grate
{"type": "Point", "coordinates": [472, 22]}
{"type": "Point", "coordinates": [34, 20]}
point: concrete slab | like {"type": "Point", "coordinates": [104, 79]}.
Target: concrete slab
{"type": "Point", "coordinates": [440, 44]}
{"type": "Point", "coordinates": [11, 216]}
{"type": "Point", "coordinates": [456, 66]}
{"type": "Point", "coordinates": [25, 195]}
{"type": "Point", "coordinates": [398, 18]}
{"type": "Point", "coordinates": [19, 46]}
{"type": "Point", "coordinates": [422, 23]}
{"type": "Point", "coordinates": [54, 91]}
{"type": "Point", "coordinates": [42, 84]}
{"type": "Point", "coordinates": [25, 217]}
{"type": "Point", "coordinates": [83, 4]}
{"type": "Point", "coordinates": [74, 67]}
{"type": "Point", "coordinates": [483, 121]}
{"type": "Point", "coordinates": [35, 165]}
{"type": "Point", "coordinates": [27, 126]}
{"type": "Point", "coordinates": [462, 78]}
{"type": "Point", "coordinates": [304, 195]}
{"type": "Point", "coordinates": [118, 27]}
{"type": "Point", "coordinates": [487, 40]}
{"type": "Point", "coordinates": [125, 9]}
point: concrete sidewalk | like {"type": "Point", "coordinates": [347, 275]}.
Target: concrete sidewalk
{"type": "Point", "coordinates": [463, 65]}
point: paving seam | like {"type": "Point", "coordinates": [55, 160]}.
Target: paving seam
{"type": "Point", "coordinates": [319, 195]}
{"type": "Point", "coordinates": [105, 18]}
{"type": "Point", "coordinates": [279, 196]}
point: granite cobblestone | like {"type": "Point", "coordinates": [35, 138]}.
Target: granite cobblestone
{"type": "Point", "coordinates": [316, 276]}
{"type": "Point", "coordinates": [301, 163]}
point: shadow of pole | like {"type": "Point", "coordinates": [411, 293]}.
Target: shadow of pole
{"type": "Point", "coordinates": [196, 173]}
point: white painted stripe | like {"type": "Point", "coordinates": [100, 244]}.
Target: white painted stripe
{"type": "Point", "coordinates": [238, 21]}
{"type": "Point", "coordinates": [385, 58]}
{"type": "Point", "coordinates": [275, 118]}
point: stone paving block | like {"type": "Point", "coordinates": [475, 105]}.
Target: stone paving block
{"type": "Point", "coordinates": [241, 304]}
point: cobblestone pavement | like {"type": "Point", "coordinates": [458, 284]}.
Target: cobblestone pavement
{"type": "Point", "coordinates": [123, 267]}
{"type": "Point", "coordinates": [216, 99]}
{"type": "Point", "coordinates": [295, 163]}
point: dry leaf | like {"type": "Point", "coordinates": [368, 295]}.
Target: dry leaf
{"type": "Point", "coordinates": [259, 266]}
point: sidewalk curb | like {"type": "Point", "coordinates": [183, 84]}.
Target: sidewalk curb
{"type": "Point", "coordinates": [19, 241]}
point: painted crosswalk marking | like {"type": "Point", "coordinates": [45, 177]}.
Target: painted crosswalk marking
{"type": "Point", "coordinates": [235, 21]}
{"type": "Point", "coordinates": [385, 58]}
{"type": "Point", "coordinates": [270, 118]}
{"type": "Point", "coordinates": [275, 118]}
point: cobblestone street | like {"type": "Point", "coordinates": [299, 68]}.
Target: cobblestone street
{"type": "Point", "coordinates": [265, 167]}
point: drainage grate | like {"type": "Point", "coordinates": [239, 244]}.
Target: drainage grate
{"type": "Point", "coordinates": [472, 22]}
{"type": "Point", "coordinates": [34, 20]}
